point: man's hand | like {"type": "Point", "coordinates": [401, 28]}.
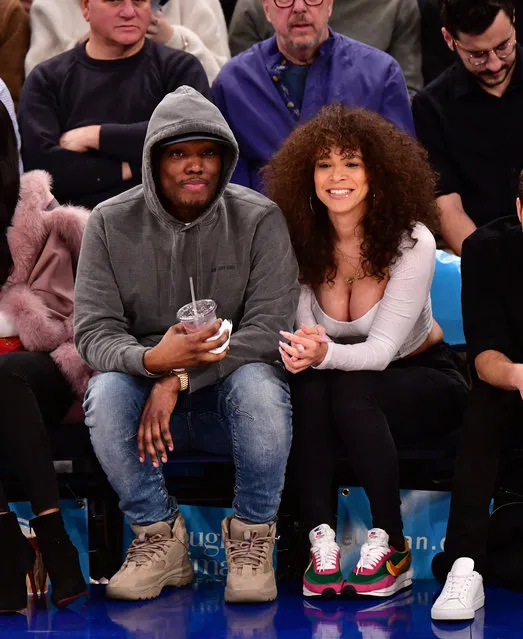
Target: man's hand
{"type": "Point", "coordinates": [308, 348]}
{"type": "Point", "coordinates": [516, 377]}
{"type": "Point", "coordinates": [81, 140]}
{"type": "Point", "coordinates": [456, 225]}
{"type": "Point", "coordinates": [159, 29]}
{"type": "Point", "coordinates": [180, 350]}
{"type": "Point", "coordinates": [154, 432]}
{"type": "Point", "coordinates": [498, 370]}
{"type": "Point", "coordinates": [127, 174]}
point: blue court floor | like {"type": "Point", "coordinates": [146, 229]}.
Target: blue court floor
{"type": "Point", "coordinates": [200, 613]}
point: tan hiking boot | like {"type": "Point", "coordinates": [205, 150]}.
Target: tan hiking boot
{"type": "Point", "coordinates": [158, 557]}
{"type": "Point", "coordinates": [249, 549]}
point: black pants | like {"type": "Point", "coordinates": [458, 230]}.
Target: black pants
{"type": "Point", "coordinates": [34, 395]}
{"type": "Point", "coordinates": [366, 411]}
{"type": "Point", "coordinates": [492, 418]}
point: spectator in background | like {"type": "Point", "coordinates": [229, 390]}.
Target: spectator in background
{"type": "Point", "coordinates": [84, 114]}
{"type": "Point", "coordinates": [41, 373]}
{"type": "Point", "coordinates": [492, 312]}
{"type": "Point", "coordinates": [469, 118]}
{"type": "Point", "coordinates": [267, 90]}
{"type": "Point", "coordinates": [389, 25]}
{"type": "Point", "coordinates": [436, 56]}
{"type": "Point", "coordinates": [195, 26]}
{"type": "Point", "coordinates": [7, 101]}
{"type": "Point", "coordinates": [14, 42]}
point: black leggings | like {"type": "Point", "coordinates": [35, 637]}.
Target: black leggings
{"type": "Point", "coordinates": [34, 395]}
{"type": "Point", "coordinates": [367, 410]}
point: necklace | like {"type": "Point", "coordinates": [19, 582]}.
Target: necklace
{"type": "Point", "coordinates": [358, 275]}
{"type": "Point", "coordinates": [349, 281]}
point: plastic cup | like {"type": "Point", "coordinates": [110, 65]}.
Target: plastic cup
{"type": "Point", "coordinates": [195, 319]}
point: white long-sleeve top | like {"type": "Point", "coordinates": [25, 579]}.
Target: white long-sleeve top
{"type": "Point", "coordinates": [394, 327]}
{"type": "Point", "coordinates": [199, 28]}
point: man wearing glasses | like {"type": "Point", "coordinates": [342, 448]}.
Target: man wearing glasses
{"type": "Point", "coordinates": [469, 118]}
{"type": "Point", "coordinates": [269, 89]}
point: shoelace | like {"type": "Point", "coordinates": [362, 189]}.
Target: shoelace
{"type": "Point", "coordinates": [370, 555]}
{"type": "Point", "coordinates": [143, 550]}
{"type": "Point", "coordinates": [456, 587]}
{"type": "Point", "coordinates": [248, 552]}
{"type": "Point", "coordinates": [325, 555]}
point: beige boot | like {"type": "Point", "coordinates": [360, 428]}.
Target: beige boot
{"type": "Point", "coordinates": [249, 549]}
{"type": "Point", "coordinates": [158, 557]}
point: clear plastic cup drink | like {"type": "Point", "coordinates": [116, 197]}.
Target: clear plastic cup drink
{"type": "Point", "coordinates": [194, 319]}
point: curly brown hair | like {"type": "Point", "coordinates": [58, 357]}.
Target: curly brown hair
{"type": "Point", "coordinates": [401, 189]}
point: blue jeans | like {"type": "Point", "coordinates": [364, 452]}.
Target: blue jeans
{"type": "Point", "coordinates": [247, 414]}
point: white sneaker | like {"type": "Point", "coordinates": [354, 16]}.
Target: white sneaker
{"type": "Point", "coordinates": [323, 577]}
{"type": "Point", "coordinates": [462, 594]}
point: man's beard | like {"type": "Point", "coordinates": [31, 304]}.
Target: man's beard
{"type": "Point", "coordinates": [309, 44]}
{"type": "Point", "coordinates": [195, 204]}
{"type": "Point", "coordinates": [484, 76]}
{"type": "Point", "coordinates": [299, 46]}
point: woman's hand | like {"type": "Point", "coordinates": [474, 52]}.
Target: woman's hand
{"type": "Point", "coordinates": [154, 431]}
{"type": "Point", "coordinates": [308, 347]}
{"type": "Point", "coordinates": [160, 30]}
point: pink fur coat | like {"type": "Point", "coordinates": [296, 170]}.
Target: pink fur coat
{"type": "Point", "coordinates": [39, 293]}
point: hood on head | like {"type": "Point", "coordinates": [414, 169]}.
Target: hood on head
{"type": "Point", "coordinates": [182, 113]}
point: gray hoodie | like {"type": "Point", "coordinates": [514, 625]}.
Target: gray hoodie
{"type": "Point", "coordinates": [136, 259]}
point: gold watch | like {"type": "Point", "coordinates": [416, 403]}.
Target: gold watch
{"type": "Point", "coordinates": [183, 376]}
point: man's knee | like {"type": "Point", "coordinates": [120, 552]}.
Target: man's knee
{"type": "Point", "coordinates": [255, 387]}
{"type": "Point", "coordinates": [113, 401]}
{"type": "Point", "coordinates": [260, 394]}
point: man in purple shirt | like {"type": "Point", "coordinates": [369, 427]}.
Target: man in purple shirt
{"type": "Point", "coordinates": [275, 85]}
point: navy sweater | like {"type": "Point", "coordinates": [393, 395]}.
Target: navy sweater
{"type": "Point", "coordinates": [73, 90]}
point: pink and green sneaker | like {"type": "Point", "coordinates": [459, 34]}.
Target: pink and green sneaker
{"type": "Point", "coordinates": [323, 577]}
{"type": "Point", "coordinates": [382, 570]}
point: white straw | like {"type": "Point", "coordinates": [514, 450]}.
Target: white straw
{"type": "Point", "coordinates": [193, 296]}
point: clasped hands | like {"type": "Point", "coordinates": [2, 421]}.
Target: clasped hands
{"type": "Point", "coordinates": [177, 349]}
{"type": "Point", "coordinates": [308, 347]}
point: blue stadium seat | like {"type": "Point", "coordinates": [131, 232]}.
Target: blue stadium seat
{"type": "Point", "coordinates": [446, 298]}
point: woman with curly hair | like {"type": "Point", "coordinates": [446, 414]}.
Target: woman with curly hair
{"type": "Point", "coordinates": [369, 359]}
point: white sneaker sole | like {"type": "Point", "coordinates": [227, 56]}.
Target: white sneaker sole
{"type": "Point", "coordinates": [150, 592]}
{"type": "Point", "coordinates": [441, 613]}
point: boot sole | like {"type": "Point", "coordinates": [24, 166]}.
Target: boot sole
{"type": "Point", "coordinates": [151, 592]}
{"type": "Point", "coordinates": [247, 596]}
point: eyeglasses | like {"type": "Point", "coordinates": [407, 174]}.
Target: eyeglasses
{"type": "Point", "coordinates": [478, 58]}
{"type": "Point", "coordinates": [286, 4]}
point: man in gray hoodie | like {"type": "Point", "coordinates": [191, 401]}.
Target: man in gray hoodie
{"type": "Point", "coordinates": [162, 388]}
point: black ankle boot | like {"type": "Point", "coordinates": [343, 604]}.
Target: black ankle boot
{"type": "Point", "coordinates": [60, 559]}
{"type": "Point", "coordinates": [17, 559]}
